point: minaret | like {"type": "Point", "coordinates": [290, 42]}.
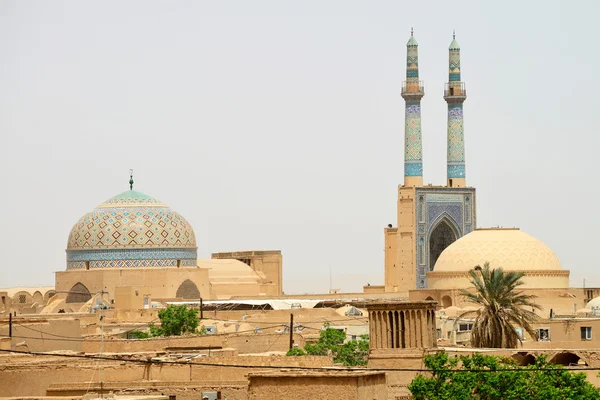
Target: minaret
{"type": "Point", "coordinates": [412, 92]}
{"type": "Point", "coordinates": [455, 94]}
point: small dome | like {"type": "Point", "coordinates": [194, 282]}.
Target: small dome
{"type": "Point", "coordinates": [131, 226]}
{"type": "Point", "coordinates": [593, 304]}
{"type": "Point", "coordinates": [510, 249]}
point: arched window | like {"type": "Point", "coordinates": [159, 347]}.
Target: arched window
{"type": "Point", "coordinates": [441, 237]}
{"type": "Point", "coordinates": [78, 294]}
{"type": "Point", "coordinates": [188, 290]}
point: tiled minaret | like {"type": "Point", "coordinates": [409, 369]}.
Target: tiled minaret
{"type": "Point", "coordinates": [412, 92]}
{"type": "Point", "coordinates": [455, 94]}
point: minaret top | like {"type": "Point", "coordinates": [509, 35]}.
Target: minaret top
{"type": "Point", "coordinates": [412, 41]}
{"type": "Point", "coordinates": [454, 45]}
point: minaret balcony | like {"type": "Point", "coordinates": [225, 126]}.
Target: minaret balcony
{"type": "Point", "coordinates": [455, 90]}
{"type": "Point", "coordinates": [415, 88]}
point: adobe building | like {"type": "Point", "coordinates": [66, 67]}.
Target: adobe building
{"type": "Point", "coordinates": [135, 241]}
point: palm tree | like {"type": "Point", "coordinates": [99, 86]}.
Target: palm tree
{"type": "Point", "coordinates": [502, 308]}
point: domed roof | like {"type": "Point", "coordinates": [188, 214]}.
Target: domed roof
{"type": "Point", "coordinates": [510, 249]}
{"type": "Point", "coordinates": [131, 220]}
{"type": "Point", "coordinates": [593, 304]}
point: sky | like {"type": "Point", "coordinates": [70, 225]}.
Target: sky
{"type": "Point", "coordinates": [280, 125]}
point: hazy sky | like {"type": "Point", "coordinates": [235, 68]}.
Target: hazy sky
{"type": "Point", "coordinates": [279, 124]}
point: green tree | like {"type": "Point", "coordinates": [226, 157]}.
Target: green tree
{"type": "Point", "coordinates": [175, 321]}
{"type": "Point", "coordinates": [295, 351]}
{"type": "Point", "coordinates": [486, 377]}
{"type": "Point", "coordinates": [501, 308]}
{"type": "Point", "coordinates": [331, 341]}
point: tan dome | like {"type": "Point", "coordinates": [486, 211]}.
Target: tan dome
{"type": "Point", "coordinates": [510, 249]}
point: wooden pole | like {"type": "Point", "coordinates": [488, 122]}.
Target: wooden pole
{"type": "Point", "coordinates": [291, 331]}
{"type": "Point", "coordinates": [201, 309]}
{"type": "Point", "coordinates": [9, 324]}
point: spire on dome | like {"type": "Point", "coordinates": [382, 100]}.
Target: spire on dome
{"type": "Point", "coordinates": [412, 41]}
{"type": "Point", "coordinates": [454, 45]}
{"type": "Point", "coordinates": [131, 179]}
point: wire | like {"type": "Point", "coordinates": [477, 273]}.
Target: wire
{"type": "Point", "coordinates": [73, 339]}
{"type": "Point", "coordinates": [341, 369]}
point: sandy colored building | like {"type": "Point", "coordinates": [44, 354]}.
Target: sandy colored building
{"type": "Point", "coordinates": [135, 241]}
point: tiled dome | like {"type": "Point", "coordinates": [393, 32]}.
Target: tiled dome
{"type": "Point", "coordinates": [131, 226]}
{"type": "Point", "coordinates": [510, 249]}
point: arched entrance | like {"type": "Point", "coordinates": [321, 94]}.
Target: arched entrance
{"type": "Point", "coordinates": [78, 294]}
{"type": "Point", "coordinates": [441, 237]}
{"type": "Point", "coordinates": [188, 290]}
{"type": "Point", "coordinates": [567, 359]}
{"type": "Point", "coordinates": [446, 302]}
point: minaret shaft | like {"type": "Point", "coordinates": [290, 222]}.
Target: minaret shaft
{"type": "Point", "coordinates": [455, 94]}
{"type": "Point", "coordinates": [412, 92]}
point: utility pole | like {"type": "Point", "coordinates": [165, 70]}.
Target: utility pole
{"type": "Point", "coordinates": [101, 306]}
{"type": "Point", "coordinates": [10, 324]}
{"type": "Point", "coordinates": [291, 330]}
{"type": "Point", "coordinates": [201, 309]}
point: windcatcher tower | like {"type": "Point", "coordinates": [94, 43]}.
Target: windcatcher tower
{"type": "Point", "coordinates": [412, 92]}
{"type": "Point", "coordinates": [455, 94]}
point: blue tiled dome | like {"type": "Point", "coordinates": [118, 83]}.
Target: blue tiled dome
{"type": "Point", "coordinates": [131, 230]}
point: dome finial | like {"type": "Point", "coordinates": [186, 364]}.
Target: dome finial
{"type": "Point", "coordinates": [453, 33]}
{"type": "Point", "coordinates": [411, 31]}
{"type": "Point", "coordinates": [131, 179]}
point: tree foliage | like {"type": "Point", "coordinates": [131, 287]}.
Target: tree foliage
{"type": "Point", "coordinates": [501, 308]}
{"type": "Point", "coordinates": [485, 377]}
{"type": "Point", "coordinates": [331, 341]}
{"type": "Point", "coordinates": [175, 321]}
{"type": "Point", "coordinates": [295, 351]}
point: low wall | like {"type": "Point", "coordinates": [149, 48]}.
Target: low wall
{"type": "Point", "coordinates": [93, 345]}
{"type": "Point", "coordinates": [262, 343]}
{"type": "Point", "coordinates": [27, 375]}
{"type": "Point", "coordinates": [322, 385]}
{"type": "Point", "coordinates": [183, 390]}
{"type": "Point", "coordinates": [45, 335]}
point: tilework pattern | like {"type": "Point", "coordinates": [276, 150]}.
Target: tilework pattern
{"type": "Point", "coordinates": [131, 264]}
{"type": "Point", "coordinates": [455, 207]}
{"type": "Point", "coordinates": [413, 148]}
{"type": "Point", "coordinates": [456, 142]}
{"type": "Point", "coordinates": [131, 230]}
{"type": "Point", "coordinates": [131, 254]}
{"type": "Point", "coordinates": [129, 227]}
{"type": "Point", "coordinates": [454, 65]}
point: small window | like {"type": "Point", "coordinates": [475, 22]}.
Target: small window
{"type": "Point", "coordinates": [521, 333]}
{"type": "Point", "coordinates": [543, 334]}
{"type": "Point", "coordinates": [354, 338]}
{"type": "Point", "coordinates": [465, 327]}
{"type": "Point", "coordinates": [22, 299]}
{"type": "Point", "coordinates": [586, 333]}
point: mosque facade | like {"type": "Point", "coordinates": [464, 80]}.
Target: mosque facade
{"type": "Point", "coordinates": [436, 241]}
{"type": "Point", "coordinates": [430, 218]}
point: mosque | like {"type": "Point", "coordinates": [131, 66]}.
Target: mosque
{"type": "Point", "coordinates": [134, 241]}
{"type": "Point", "coordinates": [137, 243]}
{"type": "Point", "coordinates": [436, 242]}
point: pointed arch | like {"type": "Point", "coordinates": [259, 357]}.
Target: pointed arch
{"type": "Point", "coordinates": [443, 233]}
{"type": "Point", "coordinates": [188, 290]}
{"type": "Point", "coordinates": [78, 294]}
{"type": "Point", "coordinates": [37, 297]}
